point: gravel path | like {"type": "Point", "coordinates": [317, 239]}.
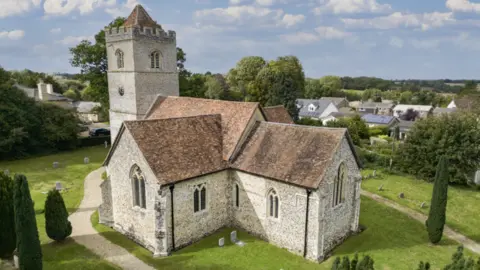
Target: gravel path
{"type": "Point", "coordinates": [84, 234]}
{"type": "Point", "coordinates": [462, 239]}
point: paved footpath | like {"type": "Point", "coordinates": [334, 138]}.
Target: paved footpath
{"type": "Point", "coordinates": [462, 239]}
{"type": "Point", "coordinates": [84, 234]}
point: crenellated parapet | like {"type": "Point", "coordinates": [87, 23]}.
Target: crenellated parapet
{"type": "Point", "coordinates": [122, 33]}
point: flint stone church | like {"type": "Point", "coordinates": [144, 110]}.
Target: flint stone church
{"type": "Point", "coordinates": [181, 168]}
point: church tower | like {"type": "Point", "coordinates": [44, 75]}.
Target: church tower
{"type": "Point", "coordinates": [142, 63]}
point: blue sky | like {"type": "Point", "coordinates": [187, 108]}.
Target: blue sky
{"type": "Point", "coordinates": [422, 39]}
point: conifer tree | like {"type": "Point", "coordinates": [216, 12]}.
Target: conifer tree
{"type": "Point", "coordinates": [438, 206]}
{"type": "Point", "coordinates": [353, 264]}
{"type": "Point", "coordinates": [345, 263]}
{"type": "Point", "coordinates": [56, 217]}
{"type": "Point", "coordinates": [7, 218]}
{"type": "Point", "coordinates": [424, 266]}
{"type": "Point", "coordinates": [28, 243]}
{"type": "Point", "coordinates": [336, 264]}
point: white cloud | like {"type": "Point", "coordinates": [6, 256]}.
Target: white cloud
{"type": "Point", "coordinates": [396, 42]}
{"type": "Point", "coordinates": [352, 6]}
{"type": "Point", "coordinates": [252, 15]}
{"type": "Point", "coordinates": [331, 33]}
{"type": "Point", "coordinates": [300, 38]}
{"type": "Point", "coordinates": [123, 10]}
{"type": "Point", "coordinates": [463, 6]}
{"type": "Point", "coordinates": [423, 21]}
{"type": "Point", "coordinates": [73, 40]}
{"type": "Point", "coordinates": [265, 2]}
{"type": "Point", "coordinates": [16, 7]}
{"type": "Point", "coordinates": [13, 35]}
{"type": "Point", "coordinates": [321, 33]}
{"type": "Point", "coordinates": [64, 7]}
{"type": "Point", "coordinates": [236, 2]}
{"type": "Point", "coordinates": [55, 30]}
{"type": "Point", "coordinates": [425, 44]}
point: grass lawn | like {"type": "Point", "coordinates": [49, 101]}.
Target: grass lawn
{"type": "Point", "coordinates": [463, 209]}
{"type": "Point", "coordinates": [71, 173]}
{"type": "Point", "coordinates": [393, 240]}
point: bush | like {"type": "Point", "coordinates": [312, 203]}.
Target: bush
{"type": "Point", "coordinates": [372, 159]}
{"type": "Point", "coordinates": [93, 141]}
{"type": "Point", "coordinates": [7, 220]}
{"type": "Point", "coordinates": [28, 243]}
{"type": "Point", "coordinates": [438, 205]}
{"type": "Point", "coordinates": [345, 264]}
{"type": "Point", "coordinates": [57, 225]}
{"type": "Point", "coordinates": [377, 131]}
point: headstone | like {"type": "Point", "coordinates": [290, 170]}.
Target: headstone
{"type": "Point", "coordinates": [233, 236]}
{"type": "Point", "coordinates": [58, 186]}
{"type": "Point", "coordinates": [6, 172]}
{"type": "Point", "coordinates": [374, 173]}
{"type": "Point", "coordinates": [401, 195]}
{"type": "Point", "coordinates": [240, 243]}
{"type": "Point", "coordinates": [477, 178]}
{"type": "Point", "coordinates": [423, 205]}
{"type": "Point", "coordinates": [55, 164]}
{"type": "Point", "coordinates": [106, 144]}
{"type": "Point", "coordinates": [86, 160]}
{"type": "Point", "coordinates": [380, 188]}
{"type": "Point", "coordinates": [221, 242]}
{"type": "Point", "coordinates": [15, 261]}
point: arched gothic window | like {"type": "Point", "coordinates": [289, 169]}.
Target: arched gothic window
{"type": "Point", "coordinates": [138, 187]}
{"type": "Point", "coordinates": [237, 195]}
{"type": "Point", "coordinates": [272, 204]}
{"type": "Point", "coordinates": [155, 60]}
{"type": "Point", "coordinates": [119, 54]}
{"type": "Point", "coordinates": [199, 198]}
{"type": "Point", "coordinates": [339, 185]}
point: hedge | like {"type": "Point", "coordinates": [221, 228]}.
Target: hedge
{"type": "Point", "coordinates": [370, 158]}
{"type": "Point", "coordinates": [93, 141]}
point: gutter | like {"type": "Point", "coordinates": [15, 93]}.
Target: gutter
{"type": "Point", "coordinates": [306, 223]}
{"type": "Point", "coordinates": [172, 217]}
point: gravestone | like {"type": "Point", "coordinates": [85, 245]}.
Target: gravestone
{"type": "Point", "coordinates": [15, 261]}
{"type": "Point", "coordinates": [58, 186]}
{"type": "Point", "coordinates": [240, 243]}
{"type": "Point", "coordinates": [477, 178]}
{"type": "Point", "coordinates": [233, 236]}
{"type": "Point", "coordinates": [221, 242]}
{"type": "Point", "coordinates": [106, 144]}
{"type": "Point", "coordinates": [423, 205]}
{"type": "Point", "coordinates": [401, 195]}
{"type": "Point", "coordinates": [6, 172]}
{"type": "Point", "coordinates": [55, 164]}
{"type": "Point", "coordinates": [374, 173]}
{"type": "Point", "coordinates": [380, 188]}
{"type": "Point", "coordinates": [86, 160]}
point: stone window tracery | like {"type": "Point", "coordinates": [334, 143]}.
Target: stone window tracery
{"type": "Point", "coordinates": [155, 60]}
{"type": "Point", "coordinates": [339, 185]}
{"type": "Point", "coordinates": [120, 60]}
{"type": "Point", "coordinates": [273, 204]}
{"type": "Point", "coordinates": [199, 198]}
{"type": "Point", "coordinates": [138, 187]}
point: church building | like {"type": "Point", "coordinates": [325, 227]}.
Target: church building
{"type": "Point", "coordinates": [182, 168]}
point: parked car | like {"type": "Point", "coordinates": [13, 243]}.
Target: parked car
{"type": "Point", "coordinates": [99, 132]}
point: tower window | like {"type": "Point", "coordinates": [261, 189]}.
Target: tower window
{"type": "Point", "coordinates": [155, 60]}
{"type": "Point", "coordinates": [119, 54]}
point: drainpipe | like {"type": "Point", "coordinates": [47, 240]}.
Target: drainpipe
{"type": "Point", "coordinates": [306, 223]}
{"type": "Point", "coordinates": [173, 224]}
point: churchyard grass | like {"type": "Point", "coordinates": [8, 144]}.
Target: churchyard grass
{"type": "Point", "coordinates": [71, 173]}
{"type": "Point", "coordinates": [394, 240]}
{"type": "Point", "coordinates": [462, 207]}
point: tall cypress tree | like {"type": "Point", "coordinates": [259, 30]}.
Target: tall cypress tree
{"type": "Point", "coordinates": [56, 217]}
{"type": "Point", "coordinates": [438, 206]}
{"type": "Point", "coordinates": [7, 219]}
{"type": "Point", "coordinates": [28, 243]}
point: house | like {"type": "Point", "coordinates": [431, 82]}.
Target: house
{"type": "Point", "coordinates": [181, 168]}
{"type": "Point", "coordinates": [44, 93]}
{"type": "Point", "coordinates": [376, 108]}
{"type": "Point", "coordinates": [315, 108]}
{"type": "Point", "coordinates": [403, 128]}
{"type": "Point", "coordinates": [339, 102]}
{"type": "Point", "coordinates": [374, 120]}
{"type": "Point", "coordinates": [423, 110]}
{"type": "Point", "coordinates": [440, 111]}
{"type": "Point", "coordinates": [452, 104]}
{"type": "Point", "coordinates": [86, 111]}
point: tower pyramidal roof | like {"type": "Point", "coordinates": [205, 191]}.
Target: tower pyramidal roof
{"type": "Point", "coordinates": [140, 17]}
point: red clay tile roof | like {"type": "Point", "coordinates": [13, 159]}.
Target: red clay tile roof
{"type": "Point", "coordinates": [180, 148]}
{"type": "Point", "coordinates": [235, 115]}
{"type": "Point", "coordinates": [294, 154]}
{"type": "Point", "coordinates": [278, 114]}
{"type": "Point", "coordinates": [140, 17]}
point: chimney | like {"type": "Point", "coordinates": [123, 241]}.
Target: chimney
{"type": "Point", "coordinates": [49, 89]}
{"type": "Point", "coordinates": [42, 91]}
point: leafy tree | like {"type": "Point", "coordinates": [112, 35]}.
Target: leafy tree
{"type": "Point", "coordinates": [406, 97]}
{"type": "Point", "coordinates": [409, 115]}
{"type": "Point", "coordinates": [242, 77]}
{"type": "Point", "coordinates": [373, 94]}
{"type": "Point", "coordinates": [28, 243]}
{"type": "Point", "coordinates": [56, 217]}
{"type": "Point", "coordinates": [195, 86]}
{"type": "Point", "coordinates": [438, 207]}
{"type": "Point", "coordinates": [7, 222]}
{"type": "Point", "coordinates": [357, 128]}
{"type": "Point", "coordinates": [309, 122]}
{"type": "Point", "coordinates": [91, 58]}
{"type": "Point", "coordinates": [214, 89]}
{"type": "Point", "coordinates": [454, 136]}
{"type": "Point", "coordinates": [70, 93]}
{"type": "Point", "coordinates": [328, 86]}
{"type": "Point", "coordinates": [459, 262]}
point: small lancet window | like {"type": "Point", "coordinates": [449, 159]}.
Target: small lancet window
{"type": "Point", "coordinates": [237, 195]}
{"type": "Point", "coordinates": [199, 198]}
{"type": "Point", "coordinates": [138, 187]}
{"type": "Point", "coordinates": [273, 204]}
{"type": "Point", "coordinates": [120, 61]}
{"type": "Point", "coordinates": [339, 185]}
{"type": "Point", "coordinates": [155, 60]}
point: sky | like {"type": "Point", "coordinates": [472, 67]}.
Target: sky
{"type": "Point", "coordinates": [391, 39]}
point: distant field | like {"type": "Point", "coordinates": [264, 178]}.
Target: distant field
{"type": "Point", "coordinates": [358, 92]}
